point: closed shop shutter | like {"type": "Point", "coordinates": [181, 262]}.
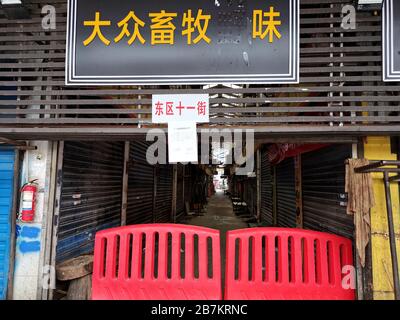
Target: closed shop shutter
{"type": "Point", "coordinates": [91, 194]}
{"type": "Point", "coordinates": [237, 186]}
{"type": "Point", "coordinates": [323, 174]}
{"type": "Point", "coordinates": [140, 185]}
{"type": "Point", "coordinates": [164, 193]}
{"type": "Point", "coordinates": [286, 194]}
{"type": "Point", "coordinates": [6, 194]}
{"type": "Point", "coordinates": [267, 215]}
{"type": "Point", "coordinates": [250, 195]}
{"type": "Point", "coordinates": [180, 201]}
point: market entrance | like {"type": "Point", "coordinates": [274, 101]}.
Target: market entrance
{"type": "Point", "coordinates": [106, 184]}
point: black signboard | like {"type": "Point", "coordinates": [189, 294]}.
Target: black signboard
{"type": "Point", "coordinates": [182, 42]}
{"type": "Point", "coordinates": [391, 40]}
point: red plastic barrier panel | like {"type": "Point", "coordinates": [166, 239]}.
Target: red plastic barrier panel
{"type": "Point", "coordinates": [288, 264]}
{"type": "Point", "coordinates": [157, 262]}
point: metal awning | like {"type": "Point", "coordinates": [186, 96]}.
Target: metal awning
{"type": "Point", "coordinates": [341, 93]}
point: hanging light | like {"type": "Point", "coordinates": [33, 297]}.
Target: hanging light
{"type": "Point", "coordinates": [369, 4]}
{"type": "Point", "coordinates": [11, 2]}
{"type": "Point", "coordinates": [15, 9]}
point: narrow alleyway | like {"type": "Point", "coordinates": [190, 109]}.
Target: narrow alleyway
{"type": "Point", "coordinates": [219, 215]}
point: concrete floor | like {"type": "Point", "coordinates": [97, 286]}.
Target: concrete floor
{"type": "Point", "coordinates": [219, 215]}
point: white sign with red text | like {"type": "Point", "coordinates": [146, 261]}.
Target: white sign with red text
{"type": "Point", "coordinates": [180, 107]}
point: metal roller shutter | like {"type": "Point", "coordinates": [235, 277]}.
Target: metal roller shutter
{"type": "Point", "coordinates": [237, 186]}
{"type": "Point", "coordinates": [91, 194]}
{"type": "Point", "coordinates": [286, 194]}
{"type": "Point", "coordinates": [7, 158]}
{"type": "Point", "coordinates": [324, 200]}
{"type": "Point", "coordinates": [267, 214]}
{"type": "Point", "coordinates": [140, 185]}
{"type": "Point", "coordinates": [163, 206]}
{"type": "Point", "coordinates": [250, 195]}
{"type": "Point", "coordinates": [180, 201]}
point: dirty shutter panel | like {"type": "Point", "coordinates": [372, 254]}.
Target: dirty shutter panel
{"type": "Point", "coordinates": [323, 174]}
{"type": "Point", "coordinates": [286, 194]}
{"type": "Point", "coordinates": [164, 193]}
{"type": "Point", "coordinates": [6, 192]}
{"type": "Point", "coordinates": [250, 195]}
{"type": "Point", "coordinates": [180, 201]}
{"type": "Point", "coordinates": [267, 215]}
{"type": "Point", "coordinates": [140, 185]}
{"type": "Point", "coordinates": [91, 194]}
{"type": "Point", "coordinates": [237, 182]}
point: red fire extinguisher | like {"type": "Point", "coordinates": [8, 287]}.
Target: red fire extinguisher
{"type": "Point", "coordinates": [28, 196]}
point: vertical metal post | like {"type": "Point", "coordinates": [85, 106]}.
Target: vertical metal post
{"type": "Point", "coordinates": [258, 177]}
{"type": "Point", "coordinates": [183, 186]}
{"type": "Point", "coordinates": [392, 237]}
{"type": "Point", "coordinates": [359, 269]}
{"type": "Point", "coordinates": [274, 197]}
{"type": "Point", "coordinates": [43, 289]}
{"type": "Point", "coordinates": [367, 274]}
{"type": "Point", "coordinates": [56, 215]}
{"type": "Point", "coordinates": [299, 191]}
{"type": "Point", "coordinates": [125, 177]}
{"type": "Point", "coordinates": [155, 175]}
{"type": "Point", "coordinates": [174, 192]}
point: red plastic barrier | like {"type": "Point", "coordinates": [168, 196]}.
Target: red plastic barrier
{"type": "Point", "coordinates": [282, 264]}
{"type": "Point", "coordinates": [157, 262]}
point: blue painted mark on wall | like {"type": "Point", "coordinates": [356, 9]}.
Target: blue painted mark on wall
{"type": "Point", "coordinates": [25, 235]}
{"type": "Point", "coordinates": [30, 232]}
{"type": "Point", "coordinates": [6, 194]}
{"type": "Point", "coordinates": [29, 246]}
{"type": "Point", "coordinates": [28, 238]}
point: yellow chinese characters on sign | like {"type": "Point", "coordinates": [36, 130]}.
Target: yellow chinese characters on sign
{"type": "Point", "coordinates": [162, 29]}
{"type": "Point", "coordinates": [96, 24]}
{"type": "Point", "coordinates": [124, 24]}
{"type": "Point", "coordinates": [194, 27]}
{"type": "Point", "coordinates": [200, 23]}
{"type": "Point", "coordinates": [264, 24]}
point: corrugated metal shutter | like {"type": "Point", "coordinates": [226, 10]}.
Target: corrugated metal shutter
{"type": "Point", "coordinates": [267, 215]}
{"type": "Point", "coordinates": [250, 195]}
{"type": "Point", "coordinates": [6, 194]}
{"type": "Point", "coordinates": [91, 194]}
{"type": "Point", "coordinates": [286, 194]}
{"type": "Point", "coordinates": [164, 193]}
{"type": "Point", "coordinates": [237, 186]}
{"type": "Point", "coordinates": [140, 185]}
{"type": "Point", "coordinates": [180, 201]}
{"type": "Point", "coordinates": [323, 174]}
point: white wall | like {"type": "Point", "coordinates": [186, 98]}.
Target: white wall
{"type": "Point", "coordinates": [30, 240]}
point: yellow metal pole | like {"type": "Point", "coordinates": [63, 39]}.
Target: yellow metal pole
{"type": "Point", "coordinates": [378, 148]}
